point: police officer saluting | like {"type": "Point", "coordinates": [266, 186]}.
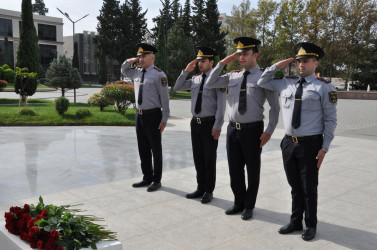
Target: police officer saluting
{"type": "Point", "coordinates": [245, 135]}
{"type": "Point", "coordinates": [309, 113]}
{"type": "Point", "coordinates": [151, 95]}
{"type": "Point", "coordinates": [207, 108]}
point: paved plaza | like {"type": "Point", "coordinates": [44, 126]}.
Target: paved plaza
{"type": "Point", "coordinates": [96, 166]}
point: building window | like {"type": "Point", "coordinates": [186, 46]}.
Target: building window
{"type": "Point", "coordinates": [47, 32]}
{"type": "Point", "coordinates": [10, 53]}
{"type": "Point", "coordinates": [6, 27]}
{"type": "Point", "coordinates": [48, 53]}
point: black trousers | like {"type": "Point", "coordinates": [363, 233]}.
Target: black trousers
{"type": "Point", "coordinates": [243, 147]}
{"type": "Point", "coordinates": [149, 143]}
{"type": "Point", "coordinates": [204, 149]}
{"type": "Point", "coordinates": [300, 166]}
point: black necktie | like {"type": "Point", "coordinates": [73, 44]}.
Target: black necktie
{"type": "Point", "coordinates": [296, 117]}
{"type": "Point", "coordinates": [140, 98]}
{"type": "Point", "coordinates": [198, 105]}
{"type": "Point", "coordinates": [242, 99]}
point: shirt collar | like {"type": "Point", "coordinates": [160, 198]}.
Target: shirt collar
{"type": "Point", "coordinates": [253, 69]}
{"type": "Point", "coordinates": [310, 78]}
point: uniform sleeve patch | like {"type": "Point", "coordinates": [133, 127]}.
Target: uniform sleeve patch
{"type": "Point", "coordinates": [323, 80]}
{"type": "Point", "coordinates": [164, 81]}
{"type": "Point", "coordinates": [333, 96]}
{"type": "Point", "coordinates": [222, 90]}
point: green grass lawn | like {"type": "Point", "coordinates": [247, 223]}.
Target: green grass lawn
{"type": "Point", "coordinates": [45, 115]}
{"type": "Point", "coordinates": [180, 95]}
{"type": "Point", "coordinates": [10, 85]}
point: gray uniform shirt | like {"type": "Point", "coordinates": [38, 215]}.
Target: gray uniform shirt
{"type": "Point", "coordinates": [213, 100]}
{"type": "Point", "coordinates": [155, 94]}
{"type": "Point", "coordinates": [255, 96]}
{"type": "Point", "coordinates": [318, 114]}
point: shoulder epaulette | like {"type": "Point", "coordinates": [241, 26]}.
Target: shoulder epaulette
{"type": "Point", "coordinates": [291, 77]}
{"type": "Point", "coordinates": [159, 70]}
{"type": "Point", "coordinates": [237, 70]}
{"type": "Point", "coordinates": [323, 80]}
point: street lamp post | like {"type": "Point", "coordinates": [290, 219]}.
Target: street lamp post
{"type": "Point", "coordinates": [73, 36]}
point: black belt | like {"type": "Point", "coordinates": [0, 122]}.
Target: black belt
{"type": "Point", "coordinates": [203, 119]}
{"type": "Point", "coordinates": [147, 111]}
{"type": "Point", "coordinates": [239, 126]}
{"type": "Point", "coordinates": [296, 139]}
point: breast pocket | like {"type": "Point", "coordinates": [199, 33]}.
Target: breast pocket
{"type": "Point", "coordinates": [311, 101]}
{"type": "Point", "coordinates": [195, 89]}
{"type": "Point", "coordinates": [287, 99]}
{"type": "Point", "coordinates": [251, 88]}
{"type": "Point", "coordinates": [233, 91]}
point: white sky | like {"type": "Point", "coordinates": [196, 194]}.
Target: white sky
{"type": "Point", "coordinates": [79, 8]}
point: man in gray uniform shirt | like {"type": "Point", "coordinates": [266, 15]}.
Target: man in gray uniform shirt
{"type": "Point", "coordinates": [151, 95]}
{"type": "Point", "coordinates": [245, 135]}
{"type": "Point", "coordinates": [309, 113]}
{"type": "Point", "coordinates": [207, 108]}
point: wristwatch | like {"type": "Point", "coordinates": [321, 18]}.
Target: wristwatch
{"type": "Point", "coordinates": [325, 149]}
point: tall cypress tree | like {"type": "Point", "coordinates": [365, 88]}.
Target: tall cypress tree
{"type": "Point", "coordinates": [102, 74]}
{"type": "Point", "coordinates": [28, 49]}
{"type": "Point", "coordinates": [75, 59]}
{"type": "Point", "coordinates": [138, 25]}
{"type": "Point", "coordinates": [161, 46]}
{"type": "Point", "coordinates": [185, 19]}
{"type": "Point", "coordinates": [108, 31]}
{"type": "Point", "coordinates": [214, 37]}
{"type": "Point", "coordinates": [199, 22]}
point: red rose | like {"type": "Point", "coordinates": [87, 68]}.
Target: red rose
{"type": "Point", "coordinates": [60, 248]}
{"type": "Point", "coordinates": [40, 244]}
{"type": "Point", "coordinates": [54, 234]}
{"type": "Point", "coordinates": [44, 213]}
{"type": "Point", "coordinates": [38, 217]}
{"type": "Point", "coordinates": [27, 208]}
{"type": "Point", "coordinates": [34, 230]}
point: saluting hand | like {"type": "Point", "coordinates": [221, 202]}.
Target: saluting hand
{"type": "Point", "coordinates": [191, 66]}
{"type": "Point", "coordinates": [284, 63]}
{"type": "Point", "coordinates": [229, 59]}
{"type": "Point", "coordinates": [320, 156]}
{"type": "Point", "coordinates": [216, 133]}
{"type": "Point", "coordinates": [265, 137]}
{"type": "Point", "coordinates": [133, 60]}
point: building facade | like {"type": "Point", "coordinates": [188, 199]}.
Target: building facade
{"type": "Point", "coordinates": [88, 63]}
{"type": "Point", "coordinates": [49, 30]}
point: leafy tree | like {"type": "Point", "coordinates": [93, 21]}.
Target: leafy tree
{"type": "Point", "coordinates": [366, 71]}
{"type": "Point", "coordinates": [62, 75]}
{"type": "Point", "coordinates": [166, 13]}
{"type": "Point", "coordinates": [40, 7]}
{"type": "Point", "coordinates": [75, 59]}
{"type": "Point", "coordinates": [288, 25]}
{"type": "Point", "coordinates": [28, 49]}
{"type": "Point", "coordinates": [26, 83]}
{"type": "Point", "coordinates": [160, 60]}
{"type": "Point", "coordinates": [102, 74]}
{"type": "Point", "coordinates": [7, 52]}
{"type": "Point", "coordinates": [182, 52]}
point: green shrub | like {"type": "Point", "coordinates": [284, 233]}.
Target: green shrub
{"type": "Point", "coordinates": [98, 99]}
{"type": "Point", "coordinates": [81, 113]}
{"type": "Point", "coordinates": [279, 75]}
{"type": "Point", "coordinates": [61, 105]}
{"type": "Point", "coordinates": [123, 95]}
{"type": "Point", "coordinates": [26, 111]}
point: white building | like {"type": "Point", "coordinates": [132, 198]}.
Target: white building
{"type": "Point", "coordinates": [49, 30]}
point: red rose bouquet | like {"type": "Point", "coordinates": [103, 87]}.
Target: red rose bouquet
{"type": "Point", "coordinates": [52, 227]}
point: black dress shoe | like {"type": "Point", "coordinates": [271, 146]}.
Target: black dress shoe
{"type": "Point", "coordinates": [247, 214]}
{"type": "Point", "coordinates": [234, 210]}
{"type": "Point", "coordinates": [154, 186]}
{"type": "Point", "coordinates": [195, 194]}
{"type": "Point", "coordinates": [309, 233]}
{"type": "Point", "coordinates": [143, 183]}
{"type": "Point", "coordinates": [207, 197]}
{"type": "Point", "coordinates": [289, 228]}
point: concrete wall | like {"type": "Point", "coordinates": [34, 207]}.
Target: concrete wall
{"type": "Point", "coordinates": [357, 95]}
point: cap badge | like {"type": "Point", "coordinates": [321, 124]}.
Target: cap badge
{"type": "Point", "coordinates": [302, 51]}
{"type": "Point", "coordinates": [140, 50]}
{"type": "Point", "coordinates": [200, 53]}
{"type": "Point", "coordinates": [240, 45]}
